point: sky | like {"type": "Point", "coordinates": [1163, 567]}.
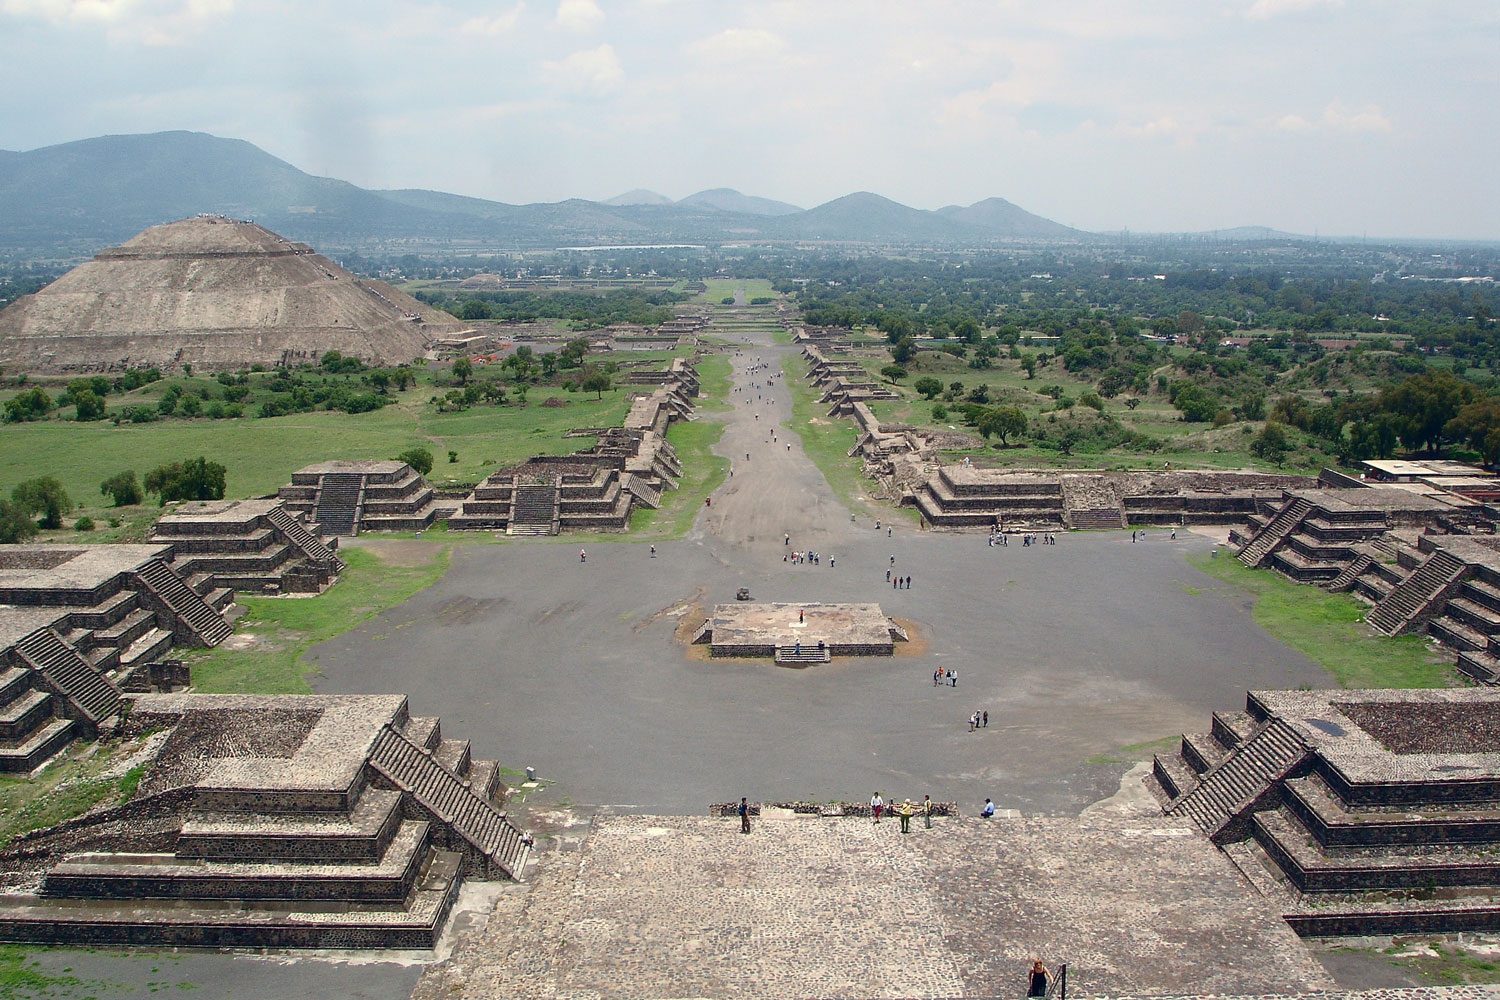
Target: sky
{"type": "Point", "coordinates": [1338, 117]}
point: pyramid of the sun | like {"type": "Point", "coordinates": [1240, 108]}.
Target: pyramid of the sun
{"type": "Point", "coordinates": [214, 293]}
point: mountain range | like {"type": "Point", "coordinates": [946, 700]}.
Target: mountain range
{"type": "Point", "coordinates": [96, 192]}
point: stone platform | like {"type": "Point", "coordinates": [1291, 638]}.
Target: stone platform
{"type": "Point", "coordinates": [770, 629]}
{"type": "Point", "coordinates": [657, 906]}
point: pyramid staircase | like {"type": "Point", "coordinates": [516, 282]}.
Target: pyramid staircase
{"type": "Point", "coordinates": [311, 545]}
{"type": "Point", "coordinates": [1259, 548]}
{"type": "Point", "coordinates": [793, 656]}
{"type": "Point", "coordinates": [1096, 518]}
{"type": "Point", "coordinates": [89, 692]}
{"type": "Point", "coordinates": [339, 497]}
{"type": "Point", "coordinates": [1400, 609]}
{"type": "Point", "coordinates": [206, 624]}
{"type": "Point", "coordinates": [1231, 787]}
{"type": "Point", "coordinates": [534, 508]}
{"type": "Point", "coordinates": [417, 769]}
{"type": "Point", "coordinates": [1349, 574]}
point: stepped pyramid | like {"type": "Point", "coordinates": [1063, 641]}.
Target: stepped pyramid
{"type": "Point", "coordinates": [216, 293]}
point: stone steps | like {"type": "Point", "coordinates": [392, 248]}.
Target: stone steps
{"type": "Point", "coordinates": [1241, 777]}
{"type": "Point", "coordinates": [209, 626]}
{"type": "Point", "coordinates": [1266, 540]}
{"type": "Point", "coordinates": [296, 532]}
{"type": "Point", "coordinates": [793, 655]}
{"type": "Point", "coordinates": [337, 508]}
{"type": "Point", "coordinates": [1350, 573]}
{"type": "Point", "coordinates": [73, 676]}
{"type": "Point", "coordinates": [1409, 599]}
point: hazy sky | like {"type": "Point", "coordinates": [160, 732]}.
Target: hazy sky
{"type": "Point", "coordinates": [1335, 116]}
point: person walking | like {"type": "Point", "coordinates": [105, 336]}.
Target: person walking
{"type": "Point", "coordinates": [653, 552]}
{"type": "Point", "coordinates": [973, 720]}
{"type": "Point", "coordinates": [744, 815]}
{"type": "Point", "coordinates": [908, 583]}
{"type": "Point", "coordinates": [583, 556]}
{"type": "Point", "coordinates": [927, 811]}
{"type": "Point", "coordinates": [986, 723]}
{"type": "Point", "coordinates": [876, 804]}
{"type": "Point", "coordinates": [1036, 985]}
{"type": "Point", "coordinates": [906, 816]}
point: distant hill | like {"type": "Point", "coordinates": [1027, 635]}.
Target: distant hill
{"type": "Point", "coordinates": [640, 196]}
{"type": "Point", "coordinates": [1000, 216]}
{"type": "Point", "coordinates": [730, 200]}
{"type": "Point", "coordinates": [78, 197]}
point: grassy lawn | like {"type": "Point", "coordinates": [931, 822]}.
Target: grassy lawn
{"type": "Point", "coordinates": [827, 441]}
{"type": "Point", "coordinates": [284, 627]}
{"type": "Point", "coordinates": [262, 454]}
{"type": "Point", "coordinates": [713, 383]}
{"type": "Point", "coordinates": [1330, 630]}
{"type": "Point", "coordinates": [72, 785]}
{"type": "Point", "coordinates": [722, 288]}
{"type": "Point", "coordinates": [702, 472]}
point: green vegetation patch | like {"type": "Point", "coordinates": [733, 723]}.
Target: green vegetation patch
{"type": "Point", "coordinates": [67, 788]}
{"type": "Point", "coordinates": [23, 977]}
{"type": "Point", "coordinates": [284, 627]}
{"type": "Point", "coordinates": [702, 473]}
{"type": "Point", "coordinates": [1330, 630]}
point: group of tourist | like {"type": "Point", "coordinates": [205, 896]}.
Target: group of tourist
{"type": "Point", "coordinates": [904, 811]}
{"type": "Point", "coordinates": [808, 558]}
{"type": "Point", "coordinates": [940, 676]}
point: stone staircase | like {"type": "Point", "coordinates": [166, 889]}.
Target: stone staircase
{"type": "Point", "coordinates": [802, 656]}
{"type": "Point", "coordinates": [416, 769]}
{"type": "Point", "coordinates": [29, 731]}
{"type": "Point", "coordinates": [337, 509]}
{"type": "Point", "coordinates": [197, 614]}
{"type": "Point", "coordinates": [1090, 504]}
{"type": "Point", "coordinates": [534, 508]}
{"type": "Point", "coordinates": [1231, 787]}
{"type": "Point", "coordinates": [311, 545]}
{"type": "Point", "coordinates": [1349, 574]}
{"type": "Point", "coordinates": [1259, 548]}
{"type": "Point", "coordinates": [1399, 610]}
{"type": "Point", "coordinates": [65, 669]}
{"type": "Point", "coordinates": [1096, 518]}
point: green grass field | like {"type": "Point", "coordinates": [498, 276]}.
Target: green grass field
{"type": "Point", "coordinates": [284, 627]}
{"type": "Point", "coordinates": [1329, 628]}
{"type": "Point", "coordinates": [722, 288]}
{"type": "Point", "coordinates": [262, 454]}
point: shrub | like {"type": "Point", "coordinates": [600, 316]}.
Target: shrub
{"type": "Point", "coordinates": [15, 524]}
{"type": "Point", "coordinates": [45, 496]}
{"type": "Point", "coordinates": [193, 479]}
{"type": "Point", "coordinates": [418, 458]}
{"type": "Point", "coordinates": [122, 488]}
{"type": "Point", "coordinates": [84, 523]}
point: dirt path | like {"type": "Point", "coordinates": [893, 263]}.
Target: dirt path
{"type": "Point", "coordinates": [775, 490]}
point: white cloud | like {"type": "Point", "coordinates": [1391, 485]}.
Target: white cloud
{"type": "Point", "coordinates": [152, 22]}
{"type": "Point", "coordinates": [578, 15]}
{"type": "Point", "coordinates": [1262, 10]}
{"type": "Point", "coordinates": [500, 24]}
{"type": "Point", "coordinates": [734, 44]}
{"type": "Point", "coordinates": [1339, 117]}
{"type": "Point", "coordinates": [588, 71]}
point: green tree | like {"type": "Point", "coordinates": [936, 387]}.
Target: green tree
{"type": "Point", "coordinates": [1002, 422]}
{"type": "Point", "coordinates": [928, 386]}
{"type": "Point", "coordinates": [418, 458]}
{"type": "Point", "coordinates": [1028, 362]}
{"type": "Point", "coordinates": [903, 350]}
{"type": "Point", "coordinates": [45, 496]}
{"type": "Point", "coordinates": [15, 524]}
{"type": "Point", "coordinates": [193, 479]}
{"type": "Point", "coordinates": [1271, 443]}
{"type": "Point", "coordinates": [462, 369]}
{"type": "Point", "coordinates": [1478, 425]}
{"type": "Point", "coordinates": [894, 373]}
{"type": "Point", "coordinates": [122, 488]}
{"type": "Point", "coordinates": [596, 382]}
{"type": "Point", "coordinates": [89, 403]}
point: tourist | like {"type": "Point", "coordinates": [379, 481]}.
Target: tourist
{"type": "Point", "coordinates": [927, 811]}
{"type": "Point", "coordinates": [937, 675]}
{"type": "Point", "coordinates": [887, 576]}
{"type": "Point", "coordinates": [906, 815]}
{"type": "Point", "coordinates": [800, 619]}
{"type": "Point", "coordinates": [1132, 538]}
{"type": "Point", "coordinates": [786, 539]}
{"type": "Point", "coordinates": [582, 556]}
{"type": "Point", "coordinates": [744, 815]}
{"type": "Point", "coordinates": [908, 583]}
{"type": "Point", "coordinates": [876, 804]}
{"type": "Point", "coordinates": [988, 811]}
{"type": "Point", "coordinates": [1037, 986]}
{"type": "Point", "coordinates": [986, 723]}
{"type": "Point", "coordinates": [893, 560]}
{"type": "Point", "coordinates": [1174, 534]}
{"type": "Point", "coordinates": [888, 531]}
{"type": "Point", "coordinates": [953, 677]}
{"type": "Point", "coordinates": [973, 721]}
{"type": "Point", "coordinates": [653, 552]}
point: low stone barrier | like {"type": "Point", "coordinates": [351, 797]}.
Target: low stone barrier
{"type": "Point", "coordinates": [829, 809]}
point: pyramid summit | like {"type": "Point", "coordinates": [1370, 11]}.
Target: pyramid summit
{"type": "Point", "coordinates": [217, 293]}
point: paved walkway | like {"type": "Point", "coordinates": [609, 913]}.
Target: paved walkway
{"type": "Point", "coordinates": [658, 906]}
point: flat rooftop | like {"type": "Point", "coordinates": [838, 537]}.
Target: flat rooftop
{"type": "Point", "coordinates": [1429, 736]}
{"type": "Point", "coordinates": [373, 466]}
{"type": "Point", "coordinates": [753, 629]}
{"type": "Point", "coordinates": [229, 511]}
{"type": "Point", "coordinates": [70, 567]}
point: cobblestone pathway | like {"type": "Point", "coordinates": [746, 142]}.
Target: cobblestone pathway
{"type": "Point", "coordinates": [688, 907]}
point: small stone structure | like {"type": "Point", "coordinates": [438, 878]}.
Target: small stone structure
{"type": "Point", "coordinates": [1426, 561]}
{"type": "Point", "coordinates": [594, 489]}
{"type": "Point", "coordinates": [82, 624]}
{"type": "Point", "coordinates": [1357, 812]}
{"type": "Point", "coordinates": [346, 497]}
{"type": "Point", "coordinates": [247, 545]}
{"type": "Point", "coordinates": [277, 821]}
{"type": "Point", "coordinates": [216, 293]}
{"type": "Point", "coordinates": [799, 634]}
